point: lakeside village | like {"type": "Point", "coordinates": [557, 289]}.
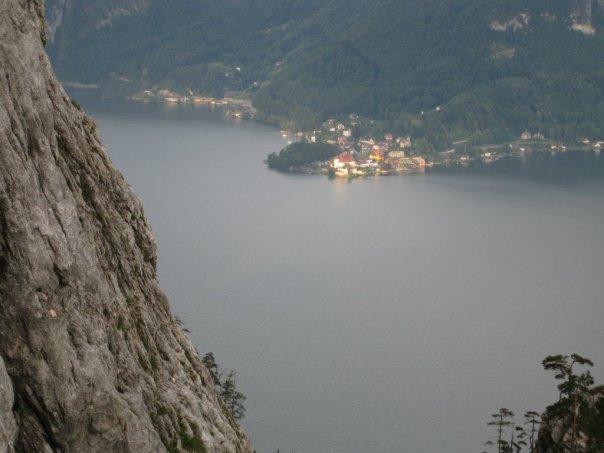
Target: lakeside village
{"type": "Point", "coordinates": [234, 108]}
{"type": "Point", "coordinates": [367, 156]}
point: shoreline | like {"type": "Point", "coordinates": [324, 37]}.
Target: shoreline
{"type": "Point", "coordinates": [331, 169]}
{"type": "Point", "coordinates": [339, 133]}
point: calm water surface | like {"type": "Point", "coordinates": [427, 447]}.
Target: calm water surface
{"type": "Point", "coordinates": [378, 315]}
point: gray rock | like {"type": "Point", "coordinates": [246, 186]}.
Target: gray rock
{"type": "Point", "coordinates": [91, 359]}
{"type": "Point", "coordinates": [8, 426]}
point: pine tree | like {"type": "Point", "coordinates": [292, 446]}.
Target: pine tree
{"type": "Point", "coordinates": [501, 421]}
{"type": "Point", "coordinates": [227, 389]}
{"type": "Point", "coordinates": [572, 386]}
{"type": "Point", "coordinates": [533, 419]}
{"type": "Point", "coordinates": [233, 399]}
{"type": "Point", "coordinates": [518, 439]}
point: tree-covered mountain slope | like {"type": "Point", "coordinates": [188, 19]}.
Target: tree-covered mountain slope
{"type": "Point", "coordinates": [492, 68]}
{"type": "Point", "coordinates": [190, 45]}
{"type": "Point", "coordinates": [439, 70]}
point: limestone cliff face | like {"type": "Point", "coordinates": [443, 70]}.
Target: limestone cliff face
{"type": "Point", "coordinates": [91, 359]}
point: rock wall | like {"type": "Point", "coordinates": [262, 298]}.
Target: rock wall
{"type": "Point", "coordinates": [91, 359]}
{"type": "Point", "coordinates": [8, 428]}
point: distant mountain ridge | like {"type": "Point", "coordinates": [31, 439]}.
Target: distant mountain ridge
{"type": "Point", "coordinates": [493, 68]}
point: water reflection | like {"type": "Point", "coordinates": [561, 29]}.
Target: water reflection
{"type": "Point", "coordinates": [379, 314]}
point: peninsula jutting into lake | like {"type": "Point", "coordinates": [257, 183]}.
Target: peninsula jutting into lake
{"type": "Point", "coordinates": [337, 150]}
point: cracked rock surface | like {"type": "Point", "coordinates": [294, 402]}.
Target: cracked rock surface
{"type": "Point", "coordinates": [91, 359]}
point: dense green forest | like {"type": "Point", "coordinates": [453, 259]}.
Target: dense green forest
{"type": "Point", "coordinates": [393, 60]}
{"type": "Point", "coordinates": [195, 45]}
{"type": "Point", "coordinates": [299, 154]}
{"type": "Point", "coordinates": [438, 70]}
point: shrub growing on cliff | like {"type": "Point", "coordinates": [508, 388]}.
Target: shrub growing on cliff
{"type": "Point", "coordinates": [233, 399]}
{"type": "Point", "coordinates": [210, 362]}
{"type": "Point", "coordinates": [227, 388]}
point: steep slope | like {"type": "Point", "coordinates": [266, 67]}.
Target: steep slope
{"type": "Point", "coordinates": [90, 16]}
{"type": "Point", "coordinates": [189, 45]}
{"type": "Point", "coordinates": [90, 356]}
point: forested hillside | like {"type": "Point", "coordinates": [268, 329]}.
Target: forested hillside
{"type": "Point", "coordinates": [494, 68]}
{"type": "Point", "coordinates": [187, 45]}
{"type": "Point", "coordinates": [439, 70]}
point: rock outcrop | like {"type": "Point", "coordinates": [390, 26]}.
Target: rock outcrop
{"type": "Point", "coordinates": [91, 360]}
{"type": "Point", "coordinates": [556, 433]}
{"type": "Point", "coordinates": [581, 16]}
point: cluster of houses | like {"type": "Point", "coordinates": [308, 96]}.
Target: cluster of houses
{"type": "Point", "coordinates": [173, 98]}
{"type": "Point", "coordinates": [237, 108]}
{"type": "Point", "coordinates": [350, 164]}
{"type": "Point", "coordinates": [526, 135]}
{"type": "Point", "coordinates": [367, 156]}
{"type": "Point", "coordinates": [586, 142]}
{"type": "Point", "coordinates": [370, 157]}
{"type": "Point", "coordinates": [595, 145]}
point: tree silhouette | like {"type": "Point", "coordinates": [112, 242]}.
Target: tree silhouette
{"type": "Point", "coordinates": [501, 421]}
{"type": "Point", "coordinates": [518, 439]}
{"type": "Point", "coordinates": [532, 419]}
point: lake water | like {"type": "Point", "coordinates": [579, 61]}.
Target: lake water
{"type": "Point", "coordinates": [378, 315]}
